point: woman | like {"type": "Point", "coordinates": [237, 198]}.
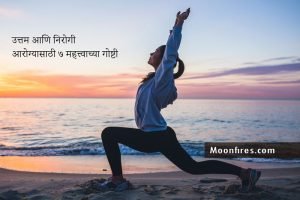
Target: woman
{"type": "Point", "coordinates": [153, 135]}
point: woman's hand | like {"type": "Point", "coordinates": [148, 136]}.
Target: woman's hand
{"type": "Point", "coordinates": [180, 17]}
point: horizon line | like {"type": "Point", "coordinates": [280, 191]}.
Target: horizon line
{"type": "Point", "coordinates": [275, 99]}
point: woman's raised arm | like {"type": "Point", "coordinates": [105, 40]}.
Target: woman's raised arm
{"type": "Point", "coordinates": [164, 73]}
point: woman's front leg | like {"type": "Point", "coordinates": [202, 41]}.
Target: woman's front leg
{"type": "Point", "coordinates": [112, 151]}
{"type": "Point", "coordinates": [131, 137]}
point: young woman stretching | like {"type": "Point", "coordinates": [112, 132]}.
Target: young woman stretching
{"type": "Point", "coordinates": [155, 93]}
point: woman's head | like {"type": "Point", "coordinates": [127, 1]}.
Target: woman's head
{"type": "Point", "coordinates": [155, 60]}
{"type": "Point", "coordinates": [156, 56]}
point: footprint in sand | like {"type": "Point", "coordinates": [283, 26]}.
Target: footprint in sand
{"type": "Point", "coordinates": [204, 189]}
{"type": "Point", "coordinates": [15, 195]}
{"type": "Point", "coordinates": [158, 189]}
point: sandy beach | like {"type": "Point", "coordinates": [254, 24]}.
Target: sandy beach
{"type": "Point", "coordinates": [280, 183]}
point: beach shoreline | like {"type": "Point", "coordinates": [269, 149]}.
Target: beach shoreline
{"type": "Point", "coordinates": [98, 164]}
{"type": "Point", "coordinates": [276, 183]}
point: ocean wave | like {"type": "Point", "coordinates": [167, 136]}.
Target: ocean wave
{"type": "Point", "coordinates": [96, 148]}
{"type": "Point", "coordinates": [213, 120]}
{"type": "Point", "coordinates": [117, 121]}
{"type": "Point", "coordinates": [85, 148]}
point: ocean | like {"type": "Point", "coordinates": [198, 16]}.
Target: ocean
{"type": "Point", "coordinates": [70, 126]}
{"type": "Point", "coordinates": [66, 126]}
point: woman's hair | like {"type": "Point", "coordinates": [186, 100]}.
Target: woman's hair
{"type": "Point", "coordinates": [176, 75]}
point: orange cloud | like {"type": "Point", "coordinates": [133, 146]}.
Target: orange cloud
{"type": "Point", "coordinates": [38, 84]}
{"type": "Point", "coordinates": [32, 84]}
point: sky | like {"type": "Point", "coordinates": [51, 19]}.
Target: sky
{"type": "Point", "coordinates": [237, 49]}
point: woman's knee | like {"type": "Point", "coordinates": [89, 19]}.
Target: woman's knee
{"type": "Point", "coordinates": [106, 133]}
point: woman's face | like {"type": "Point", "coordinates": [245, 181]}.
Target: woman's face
{"type": "Point", "coordinates": [155, 58]}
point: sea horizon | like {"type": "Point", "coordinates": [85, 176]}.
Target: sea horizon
{"type": "Point", "coordinates": [266, 99]}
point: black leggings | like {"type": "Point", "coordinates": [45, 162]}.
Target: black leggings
{"type": "Point", "coordinates": [158, 141]}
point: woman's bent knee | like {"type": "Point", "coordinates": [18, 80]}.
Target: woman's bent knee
{"type": "Point", "coordinates": [105, 133]}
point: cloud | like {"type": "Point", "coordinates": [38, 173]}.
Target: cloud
{"type": "Point", "coordinates": [279, 58]}
{"type": "Point", "coordinates": [36, 84]}
{"type": "Point", "coordinates": [41, 84]}
{"type": "Point", "coordinates": [10, 12]}
{"type": "Point", "coordinates": [283, 82]}
{"type": "Point", "coordinates": [239, 91]}
{"type": "Point", "coordinates": [290, 58]}
{"type": "Point", "coordinates": [254, 70]}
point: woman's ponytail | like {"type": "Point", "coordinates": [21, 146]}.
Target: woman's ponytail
{"type": "Point", "coordinates": [180, 68]}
